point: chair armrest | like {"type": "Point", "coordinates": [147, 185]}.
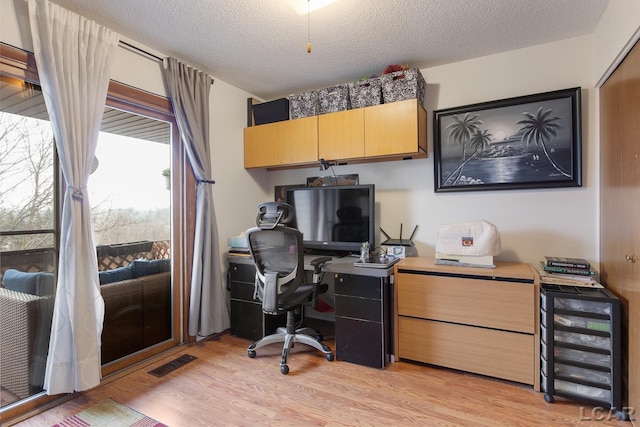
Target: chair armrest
{"type": "Point", "coordinates": [318, 263]}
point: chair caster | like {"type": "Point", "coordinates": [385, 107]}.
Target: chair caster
{"type": "Point", "coordinates": [622, 416]}
{"type": "Point", "coordinates": [548, 398]}
{"type": "Point", "coordinates": [319, 337]}
{"type": "Point", "coordinates": [251, 353]}
{"type": "Point", "coordinates": [329, 357]}
{"type": "Point", "coordinates": [284, 369]}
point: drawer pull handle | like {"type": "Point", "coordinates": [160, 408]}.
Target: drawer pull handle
{"type": "Point", "coordinates": [631, 258]}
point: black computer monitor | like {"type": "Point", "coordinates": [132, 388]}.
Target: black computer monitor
{"type": "Point", "coordinates": [335, 218]}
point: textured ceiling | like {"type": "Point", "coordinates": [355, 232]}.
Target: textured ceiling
{"type": "Point", "coordinates": [260, 45]}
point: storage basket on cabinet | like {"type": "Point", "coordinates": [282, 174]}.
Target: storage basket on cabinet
{"type": "Point", "coordinates": [402, 85]}
{"type": "Point", "coordinates": [333, 99]}
{"type": "Point", "coordinates": [303, 104]}
{"type": "Point", "coordinates": [365, 93]}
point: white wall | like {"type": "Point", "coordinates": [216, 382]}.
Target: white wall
{"type": "Point", "coordinates": [532, 223]}
{"type": "Point", "coordinates": [614, 36]}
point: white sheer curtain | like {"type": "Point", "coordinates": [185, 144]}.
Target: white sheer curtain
{"type": "Point", "coordinates": [189, 91]}
{"type": "Point", "coordinates": [74, 58]}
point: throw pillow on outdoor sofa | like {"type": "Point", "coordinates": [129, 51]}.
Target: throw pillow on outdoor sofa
{"type": "Point", "coordinates": [145, 267]}
{"type": "Point", "coordinates": [116, 275]}
{"type": "Point", "coordinates": [37, 283]}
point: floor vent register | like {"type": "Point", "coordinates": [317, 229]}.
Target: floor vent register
{"type": "Point", "coordinates": [169, 367]}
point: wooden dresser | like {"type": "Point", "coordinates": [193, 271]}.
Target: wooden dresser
{"type": "Point", "coordinates": [478, 320]}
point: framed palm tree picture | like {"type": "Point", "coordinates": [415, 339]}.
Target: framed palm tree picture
{"type": "Point", "coordinates": [531, 141]}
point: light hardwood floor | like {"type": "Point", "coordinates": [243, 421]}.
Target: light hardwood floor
{"type": "Point", "coordinates": [223, 387]}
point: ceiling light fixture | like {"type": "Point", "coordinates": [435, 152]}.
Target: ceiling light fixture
{"type": "Point", "coordinates": [301, 8]}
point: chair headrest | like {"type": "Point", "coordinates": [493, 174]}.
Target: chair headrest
{"type": "Point", "coordinates": [271, 214]}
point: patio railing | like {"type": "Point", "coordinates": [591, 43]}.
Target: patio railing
{"type": "Point", "coordinates": [109, 256]}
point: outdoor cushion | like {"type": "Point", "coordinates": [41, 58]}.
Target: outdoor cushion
{"type": "Point", "coordinates": [116, 275]}
{"type": "Point", "coordinates": [45, 284]}
{"type": "Point", "coordinates": [21, 281]}
{"type": "Point", "coordinates": [146, 267]}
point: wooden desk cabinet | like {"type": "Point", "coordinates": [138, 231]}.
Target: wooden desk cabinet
{"type": "Point", "coordinates": [472, 319]}
{"type": "Point", "coordinates": [247, 319]}
{"type": "Point", "coordinates": [362, 319]}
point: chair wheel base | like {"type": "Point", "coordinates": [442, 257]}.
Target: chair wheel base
{"type": "Point", "coordinates": [284, 369]}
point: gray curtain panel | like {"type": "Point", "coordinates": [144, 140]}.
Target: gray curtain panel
{"type": "Point", "coordinates": [74, 57]}
{"type": "Point", "coordinates": [189, 92]}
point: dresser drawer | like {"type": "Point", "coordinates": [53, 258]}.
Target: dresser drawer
{"type": "Point", "coordinates": [489, 352]}
{"type": "Point", "coordinates": [471, 301]}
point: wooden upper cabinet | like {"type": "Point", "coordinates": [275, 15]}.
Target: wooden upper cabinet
{"type": "Point", "coordinates": [383, 132]}
{"type": "Point", "coordinates": [299, 141]}
{"type": "Point", "coordinates": [290, 142]}
{"type": "Point", "coordinates": [395, 129]}
{"type": "Point", "coordinates": [261, 145]}
{"type": "Point", "coordinates": [341, 135]}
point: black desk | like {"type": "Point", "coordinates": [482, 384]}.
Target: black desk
{"type": "Point", "coordinates": [361, 297]}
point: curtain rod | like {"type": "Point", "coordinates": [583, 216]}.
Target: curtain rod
{"type": "Point", "coordinates": [142, 51]}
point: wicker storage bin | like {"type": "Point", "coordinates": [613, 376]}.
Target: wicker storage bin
{"type": "Point", "coordinates": [303, 104]}
{"type": "Point", "coordinates": [365, 93]}
{"type": "Point", "coordinates": [401, 85]}
{"type": "Point", "coordinates": [333, 99]}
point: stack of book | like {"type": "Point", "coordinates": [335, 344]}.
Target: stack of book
{"type": "Point", "coordinates": [483, 261]}
{"type": "Point", "coordinates": [567, 271]}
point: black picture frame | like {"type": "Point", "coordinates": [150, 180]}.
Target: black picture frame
{"type": "Point", "coordinates": [526, 142]}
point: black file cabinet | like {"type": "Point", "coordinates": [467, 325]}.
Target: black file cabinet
{"type": "Point", "coordinates": [580, 345]}
{"type": "Point", "coordinates": [362, 319]}
{"type": "Point", "coordinates": [247, 319]}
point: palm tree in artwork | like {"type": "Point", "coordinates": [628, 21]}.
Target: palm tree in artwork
{"type": "Point", "coordinates": [460, 132]}
{"type": "Point", "coordinates": [538, 128]}
{"type": "Point", "coordinates": [480, 141]}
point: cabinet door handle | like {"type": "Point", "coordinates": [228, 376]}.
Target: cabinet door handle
{"type": "Point", "coordinates": [631, 258]}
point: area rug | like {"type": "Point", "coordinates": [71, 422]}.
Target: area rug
{"type": "Point", "coordinates": [109, 413]}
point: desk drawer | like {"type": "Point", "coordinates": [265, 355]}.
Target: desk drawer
{"type": "Point", "coordinates": [242, 291]}
{"type": "Point", "coordinates": [489, 352]}
{"type": "Point", "coordinates": [242, 272]}
{"type": "Point", "coordinates": [361, 342]}
{"type": "Point", "coordinates": [472, 301]}
{"type": "Point", "coordinates": [359, 286]}
{"type": "Point", "coordinates": [359, 308]}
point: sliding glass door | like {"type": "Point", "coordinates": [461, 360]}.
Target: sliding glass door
{"type": "Point", "coordinates": [136, 190]}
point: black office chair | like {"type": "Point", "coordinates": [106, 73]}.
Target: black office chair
{"type": "Point", "coordinates": [278, 255]}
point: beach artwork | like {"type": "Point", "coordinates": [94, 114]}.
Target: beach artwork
{"type": "Point", "coordinates": [532, 141]}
